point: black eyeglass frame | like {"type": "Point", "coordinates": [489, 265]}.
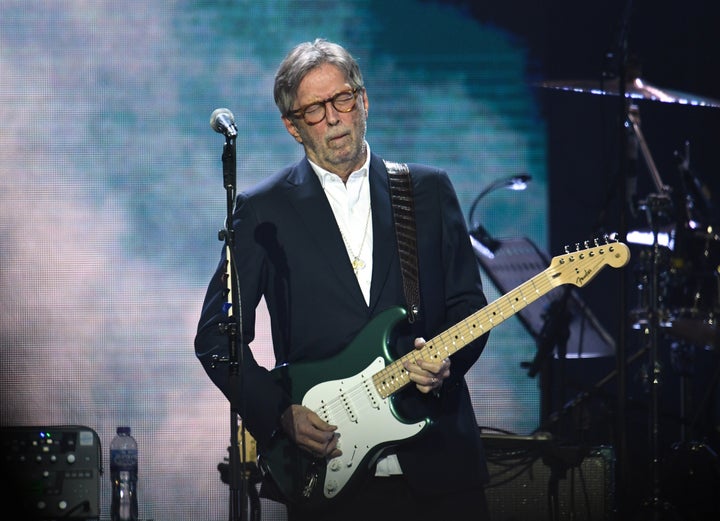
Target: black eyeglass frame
{"type": "Point", "coordinates": [300, 113]}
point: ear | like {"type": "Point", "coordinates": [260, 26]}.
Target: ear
{"type": "Point", "coordinates": [292, 129]}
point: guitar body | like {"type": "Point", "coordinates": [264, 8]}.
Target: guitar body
{"type": "Point", "coordinates": [341, 391]}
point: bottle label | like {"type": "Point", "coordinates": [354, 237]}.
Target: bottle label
{"type": "Point", "coordinates": [124, 459]}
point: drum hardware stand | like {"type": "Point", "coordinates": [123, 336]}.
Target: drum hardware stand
{"type": "Point", "coordinates": [655, 206]}
{"type": "Point", "coordinates": [707, 397]}
{"type": "Point", "coordinates": [633, 121]}
{"type": "Point", "coordinates": [683, 360]}
{"type": "Point", "coordinates": [684, 350]}
{"type": "Point", "coordinates": [694, 189]}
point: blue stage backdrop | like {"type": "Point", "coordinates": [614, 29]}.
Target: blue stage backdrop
{"type": "Point", "coordinates": [111, 197]}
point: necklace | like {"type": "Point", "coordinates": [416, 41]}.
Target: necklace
{"type": "Point", "coordinates": [356, 262]}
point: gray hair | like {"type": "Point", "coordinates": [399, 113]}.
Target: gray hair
{"type": "Point", "coordinates": [301, 60]}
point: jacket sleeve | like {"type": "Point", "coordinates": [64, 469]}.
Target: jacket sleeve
{"type": "Point", "coordinates": [251, 389]}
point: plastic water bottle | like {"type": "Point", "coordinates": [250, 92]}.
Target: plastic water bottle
{"type": "Point", "coordinates": [124, 476]}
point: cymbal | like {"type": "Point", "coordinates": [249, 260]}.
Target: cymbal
{"type": "Point", "coordinates": [635, 89]}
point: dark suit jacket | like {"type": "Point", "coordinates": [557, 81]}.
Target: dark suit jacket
{"type": "Point", "coordinates": [288, 249]}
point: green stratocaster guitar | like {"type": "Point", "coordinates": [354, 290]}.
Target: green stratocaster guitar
{"type": "Point", "coordinates": [354, 389]}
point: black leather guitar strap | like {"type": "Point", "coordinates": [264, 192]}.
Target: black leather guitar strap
{"type": "Point", "coordinates": [401, 198]}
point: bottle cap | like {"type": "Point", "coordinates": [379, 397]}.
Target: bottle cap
{"type": "Point", "coordinates": [123, 430]}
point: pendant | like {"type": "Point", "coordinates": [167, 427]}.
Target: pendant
{"type": "Point", "coordinates": [357, 264]}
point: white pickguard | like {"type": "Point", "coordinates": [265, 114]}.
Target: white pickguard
{"type": "Point", "coordinates": [364, 420]}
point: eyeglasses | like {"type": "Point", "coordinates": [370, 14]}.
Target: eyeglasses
{"type": "Point", "coordinates": [314, 113]}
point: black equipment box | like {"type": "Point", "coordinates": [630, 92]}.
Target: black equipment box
{"type": "Point", "coordinates": [51, 472]}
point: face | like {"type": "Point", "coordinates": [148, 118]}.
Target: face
{"type": "Point", "coordinates": [337, 143]}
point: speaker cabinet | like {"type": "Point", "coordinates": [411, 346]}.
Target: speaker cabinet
{"type": "Point", "coordinates": [536, 480]}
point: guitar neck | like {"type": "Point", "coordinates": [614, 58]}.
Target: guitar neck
{"type": "Point", "coordinates": [394, 376]}
{"type": "Point", "coordinates": [576, 268]}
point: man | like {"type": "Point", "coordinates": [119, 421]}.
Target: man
{"type": "Point", "coordinates": [317, 241]}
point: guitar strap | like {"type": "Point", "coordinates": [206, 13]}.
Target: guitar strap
{"type": "Point", "coordinates": [403, 205]}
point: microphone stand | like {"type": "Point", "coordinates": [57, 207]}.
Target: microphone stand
{"type": "Point", "coordinates": [238, 482]}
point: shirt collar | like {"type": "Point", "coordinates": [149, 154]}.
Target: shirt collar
{"type": "Point", "coordinates": [326, 176]}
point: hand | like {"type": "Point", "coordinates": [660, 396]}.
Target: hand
{"type": "Point", "coordinates": [310, 432]}
{"type": "Point", "coordinates": [428, 376]}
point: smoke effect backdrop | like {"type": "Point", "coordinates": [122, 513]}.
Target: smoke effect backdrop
{"type": "Point", "coordinates": [111, 196]}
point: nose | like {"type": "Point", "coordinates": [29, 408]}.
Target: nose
{"type": "Point", "coordinates": [332, 115]}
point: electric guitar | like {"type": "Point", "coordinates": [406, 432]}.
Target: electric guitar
{"type": "Point", "coordinates": [354, 388]}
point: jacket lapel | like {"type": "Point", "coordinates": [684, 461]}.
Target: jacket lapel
{"type": "Point", "coordinates": [314, 212]}
{"type": "Point", "coordinates": [384, 240]}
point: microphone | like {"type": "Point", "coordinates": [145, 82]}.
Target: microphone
{"type": "Point", "coordinates": [223, 122]}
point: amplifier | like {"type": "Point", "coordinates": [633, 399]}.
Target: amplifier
{"type": "Point", "coordinates": [534, 478]}
{"type": "Point", "coordinates": [51, 472]}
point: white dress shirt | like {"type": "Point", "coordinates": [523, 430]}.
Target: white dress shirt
{"type": "Point", "coordinates": [350, 202]}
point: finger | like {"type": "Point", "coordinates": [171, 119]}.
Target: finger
{"type": "Point", "coordinates": [331, 448]}
{"type": "Point", "coordinates": [424, 380]}
{"type": "Point", "coordinates": [328, 448]}
{"type": "Point", "coordinates": [320, 424]}
{"type": "Point", "coordinates": [417, 374]}
{"type": "Point", "coordinates": [436, 368]}
{"type": "Point", "coordinates": [431, 368]}
{"type": "Point", "coordinates": [309, 430]}
{"type": "Point", "coordinates": [446, 368]}
{"type": "Point", "coordinates": [318, 439]}
{"type": "Point", "coordinates": [317, 446]}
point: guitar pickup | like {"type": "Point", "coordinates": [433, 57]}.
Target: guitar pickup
{"type": "Point", "coordinates": [348, 407]}
{"type": "Point", "coordinates": [370, 393]}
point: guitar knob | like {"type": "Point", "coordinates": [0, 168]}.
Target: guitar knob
{"type": "Point", "coordinates": [335, 464]}
{"type": "Point", "coordinates": [331, 486]}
